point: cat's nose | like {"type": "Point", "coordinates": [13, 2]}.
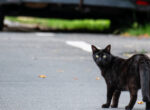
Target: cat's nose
{"type": "Point", "coordinates": [99, 60]}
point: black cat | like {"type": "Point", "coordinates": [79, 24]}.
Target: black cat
{"type": "Point", "coordinates": [123, 75]}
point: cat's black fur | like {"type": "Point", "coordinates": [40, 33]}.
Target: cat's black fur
{"type": "Point", "coordinates": [123, 75]}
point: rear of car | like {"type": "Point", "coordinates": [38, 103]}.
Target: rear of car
{"type": "Point", "coordinates": [143, 5]}
{"type": "Point", "coordinates": [72, 8]}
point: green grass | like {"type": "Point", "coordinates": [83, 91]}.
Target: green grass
{"type": "Point", "coordinates": [65, 24]}
{"type": "Point", "coordinates": [138, 29]}
{"type": "Point", "coordinates": [100, 25]}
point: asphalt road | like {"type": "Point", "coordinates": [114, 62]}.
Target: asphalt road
{"type": "Point", "coordinates": [73, 82]}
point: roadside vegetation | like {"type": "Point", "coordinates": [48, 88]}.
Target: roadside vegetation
{"type": "Point", "coordinates": [63, 24]}
{"type": "Point", "coordinates": [136, 29]}
{"type": "Point", "coordinates": [98, 25]}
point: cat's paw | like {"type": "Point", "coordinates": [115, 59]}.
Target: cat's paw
{"type": "Point", "coordinates": [105, 106]}
{"type": "Point", "coordinates": [128, 108]}
{"type": "Point", "coordinates": [114, 106]}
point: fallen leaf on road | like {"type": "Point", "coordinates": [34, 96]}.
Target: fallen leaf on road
{"type": "Point", "coordinates": [140, 102]}
{"type": "Point", "coordinates": [97, 78]}
{"type": "Point", "coordinates": [75, 78]}
{"type": "Point", "coordinates": [60, 71]}
{"type": "Point", "coordinates": [42, 76]}
{"type": "Point", "coordinates": [144, 36]}
{"type": "Point", "coordinates": [126, 34]}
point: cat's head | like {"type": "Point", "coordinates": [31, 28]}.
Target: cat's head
{"type": "Point", "coordinates": [102, 57]}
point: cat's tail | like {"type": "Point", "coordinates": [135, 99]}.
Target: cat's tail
{"type": "Point", "coordinates": [145, 81]}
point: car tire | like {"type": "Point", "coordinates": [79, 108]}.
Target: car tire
{"type": "Point", "coordinates": [2, 15]}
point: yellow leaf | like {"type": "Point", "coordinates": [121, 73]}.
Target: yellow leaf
{"type": "Point", "coordinates": [42, 76]}
{"type": "Point", "coordinates": [60, 71]}
{"type": "Point", "coordinates": [126, 34]}
{"type": "Point", "coordinates": [140, 102]}
{"type": "Point", "coordinates": [97, 78]}
{"type": "Point", "coordinates": [144, 36]}
{"type": "Point", "coordinates": [75, 78]}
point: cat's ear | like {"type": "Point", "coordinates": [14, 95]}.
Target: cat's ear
{"type": "Point", "coordinates": [94, 49]}
{"type": "Point", "coordinates": [108, 48]}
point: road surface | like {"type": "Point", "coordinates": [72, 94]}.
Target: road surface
{"type": "Point", "coordinates": [73, 81]}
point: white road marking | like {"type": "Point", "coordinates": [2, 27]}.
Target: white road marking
{"type": "Point", "coordinates": [80, 44]}
{"type": "Point", "coordinates": [43, 34]}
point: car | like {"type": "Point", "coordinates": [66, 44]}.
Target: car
{"type": "Point", "coordinates": [110, 9]}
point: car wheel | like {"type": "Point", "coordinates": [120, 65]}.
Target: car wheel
{"type": "Point", "coordinates": [2, 15]}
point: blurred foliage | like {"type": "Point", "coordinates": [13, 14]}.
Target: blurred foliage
{"type": "Point", "coordinates": [64, 24]}
{"type": "Point", "coordinates": [100, 25]}
{"type": "Point", "coordinates": [138, 29]}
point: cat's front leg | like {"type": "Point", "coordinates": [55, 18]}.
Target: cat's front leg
{"type": "Point", "coordinates": [116, 96]}
{"type": "Point", "coordinates": [110, 91]}
{"type": "Point", "coordinates": [133, 98]}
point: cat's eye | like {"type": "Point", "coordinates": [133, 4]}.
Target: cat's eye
{"type": "Point", "coordinates": [97, 56]}
{"type": "Point", "coordinates": [104, 56]}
